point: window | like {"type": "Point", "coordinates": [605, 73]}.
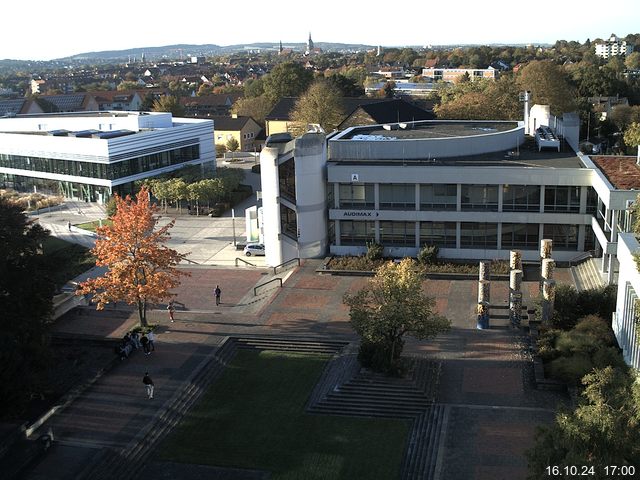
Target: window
{"type": "Point", "coordinates": [438, 197]}
{"type": "Point", "coordinates": [480, 197]}
{"type": "Point", "coordinates": [520, 198]}
{"type": "Point", "coordinates": [357, 196]}
{"type": "Point", "coordinates": [592, 200]}
{"type": "Point", "coordinates": [520, 235]}
{"type": "Point", "coordinates": [561, 199]}
{"type": "Point", "coordinates": [287, 180]}
{"type": "Point", "coordinates": [356, 233]}
{"type": "Point", "coordinates": [565, 237]}
{"type": "Point", "coordinates": [442, 234]}
{"type": "Point", "coordinates": [402, 234]}
{"type": "Point", "coordinates": [398, 196]}
{"type": "Point", "coordinates": [478, 235]}
{"type": "Point", "coordinates": [288, 222]}
{"type": "Point", "coordinates": [110, 171]}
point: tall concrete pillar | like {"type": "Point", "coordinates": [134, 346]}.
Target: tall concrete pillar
{"type": "Point", "coordinates": [515, 297]}
{"type": "Point", "coordinates": [484, 292]}
{"type": "Point", "coordinates": [483, 315]}
{"type": "Point", "coordinates": [484, 271]}
{"type": "Point", "coordinates": [548, 267]}
{"type": "Point", "coordinates": [548, 299]}
{"type": "Point", "coordinates": [515, 260]}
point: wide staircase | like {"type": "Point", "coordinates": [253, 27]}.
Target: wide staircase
{"type": "Point", "coordinates": [587, 276]}
{"type": "Point", "coordinates": [343, 389]}
{"type": "Point", "coordinates": [347, 389]}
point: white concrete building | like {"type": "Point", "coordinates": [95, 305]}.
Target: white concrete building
{"type": "Point", "coordinates": [476, 189]}
{"type": "Point", "coordinates": [90, 155]}
{"type": "Point", "coordinates": [613, 47]}
{"type": "Point", "coordinates": [625, 323]}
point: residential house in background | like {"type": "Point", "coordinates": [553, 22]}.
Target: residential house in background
{"type": "Point", "coordinates": [244, 129]}
{"type": "Point", "coordinates": [452, 75]}
{"type": "Point", "coordinates": [209, 105]}
{"type": "Point", "coordinates": [75, 102]}
{"type": "Point", "coordinates": [118, 100]}
{"type": "Point", "coordinates": [18, 106]}
{"type": "Point", "coordinates": [358, 111]}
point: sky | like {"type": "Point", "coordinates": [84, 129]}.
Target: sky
{"type": "Point", "coordinates": [45, 30]}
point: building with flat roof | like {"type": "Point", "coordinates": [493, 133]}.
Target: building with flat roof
{"type": "Point", "coordinates": [613, 47]}
{"type": "Point", "coordinates": [452, 75]}
{"type": "Point", "coordinates": [91, 155]}
{"type": "Point", "coordinates": [476, 189]}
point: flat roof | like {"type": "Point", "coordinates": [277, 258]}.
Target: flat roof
{"type": "Point", "coordinates": [622, 172]}
{"type": "Point", "coordinates": [527, 155]}
{"type": "Point", "coordinates": [427, 129]}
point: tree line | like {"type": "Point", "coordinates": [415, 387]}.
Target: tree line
{"type": "Point", "coordinates": [208, 191]}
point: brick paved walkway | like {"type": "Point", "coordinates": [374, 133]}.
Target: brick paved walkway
{"type": "Point", "coordinates": [486, 382]}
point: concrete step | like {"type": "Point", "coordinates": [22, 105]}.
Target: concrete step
{"type": "Point", "coordinates": [422, 448]}
{"type": "Point", "coordinates": [365, 411]}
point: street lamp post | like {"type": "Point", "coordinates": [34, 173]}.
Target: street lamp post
{"type": "Point", "coordinates": [233, 225]}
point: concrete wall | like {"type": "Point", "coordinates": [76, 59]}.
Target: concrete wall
{"type": "Point", "coordinates": [311, 194]}
{"type": "Point", "coordinates": [424, 148]}
{"type": "Point", "coordinates": [624, 325]}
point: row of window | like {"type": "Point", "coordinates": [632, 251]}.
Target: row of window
{"type": "Point", "coordinates": [515, 198]}
{"type": "Point", "coordinates": [472, 234]}
{"type": "Point", "coordinates": [108, 171]}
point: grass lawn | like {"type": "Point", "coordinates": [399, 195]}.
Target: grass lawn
{"type": "Point", "coordinates": [91, 226]}
{"type": "Point", "coordinates": [253, 417]}
{"type": "Point", "coordinates": [66, 260]}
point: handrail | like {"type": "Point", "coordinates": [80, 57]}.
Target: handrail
{"type": "Point", "coordinates": [255, 289]}
{"type": "Point", "coordinates": [583, 256]}
{"type": "Point", "coordinates": [244, 261]}
{"type": "Point", "coordinates": [275, 269]}
{"type": "Point", "coordinates": [190, 261]}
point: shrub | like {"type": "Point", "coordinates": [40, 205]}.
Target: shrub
{"type": "Point", "coordinates": [570, 369]}
{"type": "Point", "coordinates": [571, 305]}
{"type": "Point", "coordinates": [596, 328]}
{"type": "Point", "coordinates": [569, 355]}
{"type": "Point", "coordinates": [428, 254]}
{"type": "Point", "coordinates": [374, 251]}
{"type": "Point", "coordinates": [111, 207]}
{"type": "Point", "coordinates": [220, 150]}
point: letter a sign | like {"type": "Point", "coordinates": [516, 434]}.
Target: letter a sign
{"type": "Point", "coordinates": [355, 177]}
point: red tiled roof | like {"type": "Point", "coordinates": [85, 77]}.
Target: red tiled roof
{"type": "Point", "coordinates": [622, 172]}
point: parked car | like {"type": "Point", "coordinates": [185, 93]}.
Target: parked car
{"type": "Point", "coordinates": [254, 249]}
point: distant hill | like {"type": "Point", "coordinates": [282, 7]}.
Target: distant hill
{"type": "Point", "coordinates": [172, 51]}
{"type": "Point", "coordinates": [185, 50]}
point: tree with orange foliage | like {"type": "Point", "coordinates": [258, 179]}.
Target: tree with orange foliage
{"type": "Point", "coordinates": [140, 269]}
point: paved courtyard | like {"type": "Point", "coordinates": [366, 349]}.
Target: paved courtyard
{"type": "Point", "coordinates": [486, 384]}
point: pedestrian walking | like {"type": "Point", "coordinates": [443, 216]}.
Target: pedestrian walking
{"type": "Point", "coordinates": [171, 309]}
{"type": "Point", "coordinates": [152, 338]}
{"type": "Point", "coordinates": [69, 225]}
{"type": "Point", "coordinates": [217, 292]}
{"type": "Point", "coordinates": [148, 384]}
{"type": "Point", "coordinates": [144, 340]}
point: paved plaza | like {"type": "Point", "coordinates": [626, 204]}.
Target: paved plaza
{"type": "Point", "coordinates": [486, 385]}
{"type": "Point", "coordinates": [486, 388]}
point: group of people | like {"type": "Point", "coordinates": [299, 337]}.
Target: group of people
{"type": "Point", "coordinates": [132, 341]}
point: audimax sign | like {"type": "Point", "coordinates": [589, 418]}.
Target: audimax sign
{"type": "Point", "coordinates": [360, 213]}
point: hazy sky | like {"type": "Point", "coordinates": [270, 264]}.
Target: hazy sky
{"type": "Point", "coordinates": [43, 30]}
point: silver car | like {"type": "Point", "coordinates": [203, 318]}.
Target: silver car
{"type": "Point", "coordinates": [254, 249]}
